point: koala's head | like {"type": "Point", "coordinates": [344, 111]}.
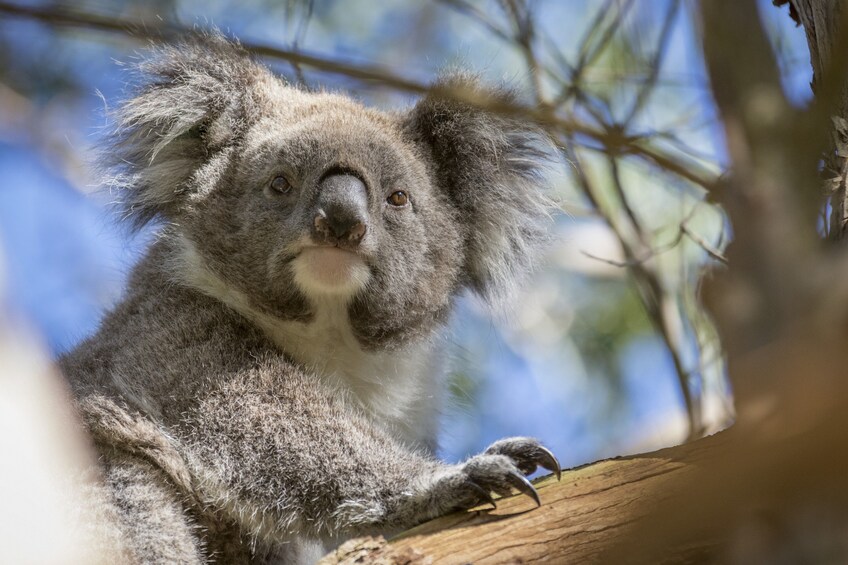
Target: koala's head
{"type": "Point", "coordinates": [294, 198]}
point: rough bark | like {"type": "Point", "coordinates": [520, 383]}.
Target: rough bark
{"type": "Point", "coordinates": [822, 21]}
{"type": "Point", "coordinates": [580, 519]}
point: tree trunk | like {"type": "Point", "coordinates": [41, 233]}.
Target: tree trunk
{"type": "Point", "coordinates": [821, 21]}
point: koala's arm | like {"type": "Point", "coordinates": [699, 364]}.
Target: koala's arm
{"type": "Point", "coordinates": [282, 454]}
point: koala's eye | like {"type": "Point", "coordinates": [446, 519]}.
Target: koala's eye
{"type": "Point", "coordinates": [398, 198]}
{"type": "Point", "coordinates": [281, 185]}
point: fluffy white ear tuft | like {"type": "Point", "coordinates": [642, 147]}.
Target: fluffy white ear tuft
{"type": "Point", "coordinates": [196, 99]}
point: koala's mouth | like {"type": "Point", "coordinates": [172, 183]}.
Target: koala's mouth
{"type": "Point", "coordinates": [325, 269]}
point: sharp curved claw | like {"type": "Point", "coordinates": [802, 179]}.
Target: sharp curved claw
{"type": "Point", "coordinates": [524, 486]}
{"type": "Point", "coordinates": [548, 460]}
{"type": "Point", "coordinates": [484, 496]}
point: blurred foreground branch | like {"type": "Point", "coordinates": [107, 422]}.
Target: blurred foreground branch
{"type": "Point", "coordinates": [52, 508]}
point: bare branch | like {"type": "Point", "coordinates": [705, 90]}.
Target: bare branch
{"type": "Point", "coordinates": [522, 22]}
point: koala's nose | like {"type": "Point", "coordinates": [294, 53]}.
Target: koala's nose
{"type": "Point", "coordinates": [339, 227]}
{"type": "Point", "coordinates": [342, 211]}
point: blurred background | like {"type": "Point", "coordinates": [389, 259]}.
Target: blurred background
{"type": "Point", "coordinates": [606, 351]}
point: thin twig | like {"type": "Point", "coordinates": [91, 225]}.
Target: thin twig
{"type": "Point", "coordinates": [466, 8]}
{"type": "Point", "coordinates": [299, 36]}
{"type": "Point", "coordinates": [711, 250]}
{"type": "Point", "coordinates": [524, 29]}
{"type": "Point", "coordinates": [615, 175]}
{"type": "Point", "coordinates": [654, 67]}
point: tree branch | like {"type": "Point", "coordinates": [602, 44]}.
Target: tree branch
{"type": "Point", "coordinates": [580, 519]}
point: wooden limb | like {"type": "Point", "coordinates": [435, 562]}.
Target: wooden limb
{"type": "Point", "coordinates": [581, 517]}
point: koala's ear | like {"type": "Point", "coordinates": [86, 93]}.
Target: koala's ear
{"type": "Point", "coordinates": [494, 170]}
{"type": "Point", "coordinates": [196, 99]}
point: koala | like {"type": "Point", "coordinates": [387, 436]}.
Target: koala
{"type": "Point", "coordinates": [271, 381]}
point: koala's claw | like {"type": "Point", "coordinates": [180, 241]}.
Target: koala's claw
{"type": "Point", "coordinates": [483, 494]}
{"type": "Point", "coordinates": [501, 469]}
{"type": "Point", "coordinates": [527, 453]}
{"type": "Point", "coordinates": [524, 486]}
{"type": "Point", "coordinates": [548, 460]}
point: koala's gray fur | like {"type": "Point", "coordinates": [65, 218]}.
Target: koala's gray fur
{"type": "Point", "coordinates": [243, 411]}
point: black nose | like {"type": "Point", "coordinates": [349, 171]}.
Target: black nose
{"type": "Point", "coordinates": [342, 211]}
{"type": "Point", "coordinates": [333, 226]}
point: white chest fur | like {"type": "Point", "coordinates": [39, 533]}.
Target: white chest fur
{"type": "Point", "coordinates": [399, 389]}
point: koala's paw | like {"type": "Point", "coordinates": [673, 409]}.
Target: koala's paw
{"type": "Point", "coordinates": [499, 469]}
